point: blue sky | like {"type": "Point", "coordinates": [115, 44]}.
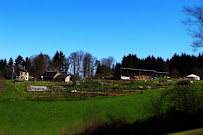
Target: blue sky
{"type": "Point", "coordinates": [101, 27]}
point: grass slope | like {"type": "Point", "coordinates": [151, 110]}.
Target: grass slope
{"type": "Point", "coordinates": [190, 132]}
{"type": "Point", "coordinates": [52, 117]}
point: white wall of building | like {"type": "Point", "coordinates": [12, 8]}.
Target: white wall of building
{"type": "Point", "coordinates": [23, 76]}
{"type": "Point", "coordinates": [67, 79]}
{"type": "Point", "coordinates": [125, 77]}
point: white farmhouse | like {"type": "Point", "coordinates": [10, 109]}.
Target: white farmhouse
{"type": "Point", "coordinates": [21, 73]}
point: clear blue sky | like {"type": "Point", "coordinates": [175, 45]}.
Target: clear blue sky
{"type": "Point", "coordinates": [101, 27]}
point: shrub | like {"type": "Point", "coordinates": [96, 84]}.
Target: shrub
{"type": "Point", "coordinates": [84, 96]}
{"type": "Point", "coordinates": [156, 106]}
{"type": "Point", "coordinates": [187, 98]}
{"type": "Point", "coordinates": [73, 96]}
{"type": "Point", "coordinates": [183, 82]}
{"type": "Point", "coordinates": [141, 91]}
{"type": "Point", "coordinates": [184, 98]}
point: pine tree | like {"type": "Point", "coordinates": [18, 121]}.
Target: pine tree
{"type": "Point", "coordinates": [19, 60]}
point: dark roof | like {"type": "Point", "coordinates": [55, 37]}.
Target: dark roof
{"type": "Point", "coordinates": [20, 68]}
{"type": "Point", "coordinates": [62, 76]}
{"type": "Point", "coordinates": [49, 73]}
{"type": "Point", "coordinates": [144, 70]}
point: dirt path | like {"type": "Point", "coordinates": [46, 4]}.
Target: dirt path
{"type": "Point", "coordinates": [117, 94]}
{"type": "Point", "coordinates": [17, 89]}
{"type": "Point", "coordinates": [102, 93]}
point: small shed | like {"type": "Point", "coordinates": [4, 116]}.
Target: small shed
{"type": "Point", "coordinates": [63, 78]}
{"type": "Point", "coordinates": [193, 77]}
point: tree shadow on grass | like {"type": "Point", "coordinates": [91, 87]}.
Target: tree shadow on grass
{"type": "Point", "coordinates": [163, 124]}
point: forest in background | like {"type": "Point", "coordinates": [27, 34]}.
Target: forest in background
{"type": "Point", "coordinates": [85, 65]}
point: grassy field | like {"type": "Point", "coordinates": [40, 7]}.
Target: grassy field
{"type": "Point", "coordinates": [21, 115]}
{"type": "Point", "coordinates": [51, 117]}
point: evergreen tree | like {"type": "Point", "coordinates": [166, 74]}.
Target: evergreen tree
{"type": "Point", "coordinates": [99, 71]}
{"type": "Point", "coordinates": [39, 66]}
{"type": "Point", "coordinates": [200, 61]}
{"type": "Point", "coordinates": [27, 64]}
{"type": "Point", "coordinates": [161, 65]}
{"type": "Point", "coordinates": [56, 61]}
{"type": "Point", "coordinates": [150, 63]}
{"type": "Point", "coordinates": [3, 67]}
{"type": "Point", "coordinates": [19, 60]}
{"type": "Point", "coordinates": [59, 61]}
{"type": "Point", "coordinates": [117, 71]}
{"type": "Point", "coordinates": [10, 65]}
{"type": "Point", "coordinates": [131, 61]}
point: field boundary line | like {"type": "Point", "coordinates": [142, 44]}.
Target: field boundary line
{"type": "Point", "coordinates": [17, 89]}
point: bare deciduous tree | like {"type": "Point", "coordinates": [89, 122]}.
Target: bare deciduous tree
{"type": "Point", "coordinates": [86, 64]}
{"type": "Point", "coordinates": [80, 55]}
{"type": "Point", "coordinates": [93, 65]}
{"type": "Point", "coordinates": [106, 65]}
{"type": "Point", "coordinates": [107, 61]}
{"type": "Point", "coordinates": [47, 60]}
{"type": "Point", "coordinates": [89, 64]}
{"type": "Point", "coordinates": [75, 60]}
{"type": "Point", "coordinates": [195, 24]}
{"type": "Point", "coordinates": [66, 65]}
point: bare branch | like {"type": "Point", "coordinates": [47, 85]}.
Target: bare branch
{"type": "Point", "coordinates": [195, 22]}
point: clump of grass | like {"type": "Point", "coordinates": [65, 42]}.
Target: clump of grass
{"type": "Point", "coordinates": [183, 82]}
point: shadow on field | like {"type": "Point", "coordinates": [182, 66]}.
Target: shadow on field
{"type": "Point", "coordinates": [178, 109]}
{"type": "Point", "coordinates": [168, 123]}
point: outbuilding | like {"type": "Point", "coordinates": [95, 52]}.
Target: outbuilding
{"type": "Point", "coordinates": [193, 77]}
{"type": "Point", "coordinates": [63, 78]}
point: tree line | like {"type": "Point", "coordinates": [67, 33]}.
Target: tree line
{"type": "Point", "coordinates": [178, 66]}
{"type": "Point", "coordinates": [151, 63]}
{"type": "Point", "coordinates": [79, 63]}
{"type": "Point", "coordinates": [85, 65]}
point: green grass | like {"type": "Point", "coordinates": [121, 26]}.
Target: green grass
{"type": "Point", "coordinates": [52, 117]}
{"type": "Point", "coordinates": [9, 94]}
{"type": "Point", "coordinates": [190, 132]}
{"type": "Point", "coordinates": [93, 87]}
{"type": "Point", "coordinates": [19, 115]}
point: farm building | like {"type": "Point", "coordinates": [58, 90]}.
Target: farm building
{"type": "Point", "coordinates": [21, 73]}
{"type": "Point", "coordinates": [50, 75]}
{"type": "Point", "coordinates": [193, 77]}
{"type": "Point", "coordinates": [63, 78]}
{"type": "Point", "coordinates": [18, 73]}
{"type": "Point", "coordinates": [133, 73]}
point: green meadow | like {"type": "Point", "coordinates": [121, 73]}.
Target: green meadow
{"type": "Point", "coordinates": [19, 115]}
